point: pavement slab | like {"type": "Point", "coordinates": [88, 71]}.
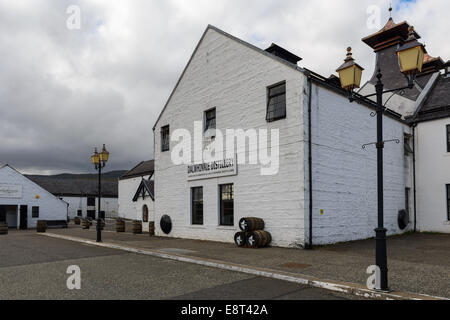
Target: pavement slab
{"type": "Point", "coordinates": [418, 263]}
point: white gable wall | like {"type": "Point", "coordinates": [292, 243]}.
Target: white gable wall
{"type": "Point", "coordinates": [345, 175]}
{"type": "Point", "coordinates": [129, 209]}
{"type": "Point", "coordinates": [50, 207]}
{"type": "Point", "coordinates": [433, 174]}
{"type": "Point", "coordinates": [234, 78]}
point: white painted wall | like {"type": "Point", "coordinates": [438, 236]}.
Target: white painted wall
{"type": "Point", "coordinates": [50, 207]}
{"type": "Point", "coordinates": [127, 208]}
{"type": "Point", "coordinates": [233, 78]}
{"type": "Point", "coordinates": [109, 205]}
{"type": "Point", "coordinates": [432, 174]}
{"type": "Point", "coordinates": [345, 175]}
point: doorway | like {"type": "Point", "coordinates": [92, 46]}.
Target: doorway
{"type": "Point", "coordinates": [23, 217]}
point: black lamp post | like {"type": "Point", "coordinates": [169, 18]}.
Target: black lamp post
{"type": "Point", "coordinates": [411, 56]}
{"type": "Point", "coordinates": [100, 160]}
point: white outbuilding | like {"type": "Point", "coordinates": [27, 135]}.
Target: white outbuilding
{"type": "Point", "coordinates": [137, 195]}
{"type": "Point", "coordinates": [23, 202]}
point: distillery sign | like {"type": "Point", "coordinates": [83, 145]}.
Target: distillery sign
{"type": "Point", "coordinates": [10, 191]}
{"type": "Point", "coordinates": [215, 169]}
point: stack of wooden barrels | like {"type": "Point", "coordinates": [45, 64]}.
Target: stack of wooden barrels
{"type": "Point", "coordinates": [41, 226]}
{"type": "Point", "coordinates": [77, 221]}
{"type": "Point", "coordinates": [3, 228]}
{"type": "Point", "coordinates": [252, 234]}
{"type": "Point", "coordinates": [120, 225]}
{"type": "Point", "coordinates": [137, 227]}
{"type": "Point", "coordinates": [85, 224]}
{"type": "Point", "coordinates": [151, 228]}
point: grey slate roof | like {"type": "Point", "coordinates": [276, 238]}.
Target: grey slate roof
{"type": "Point", "coordinates": [144, 168]}
{"type": "Point", "coordinates": [437, 106]}
{"type": "Point", "coordinates": [77, 187]}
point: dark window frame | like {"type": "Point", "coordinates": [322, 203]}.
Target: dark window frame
{"type": "Point", "coordinates": [448, 138]}
{"type": "Point", "coordinates": [165, 140]}
{"type": "Point", "coordinates": [35, 212]}
{"type": "Point", "coordinates": [145, 214]}
{"type": "Point", "coordinates": [272, 96]}
{"type": "Point", "coordinates": [196, 220]}
{"type": "Point", "coordinates": [209, 123]}
{"type": "Point", "coordinates": [448, 201]}
{"type": "Point", "coordinates": [222, 221]}
{"type": "Point", "coordinates": [89, 201]}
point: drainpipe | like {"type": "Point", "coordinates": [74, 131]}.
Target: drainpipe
{"type": "Point", "coordinates": [309, 246]}
{"type": "Point", "coordinates": [414, 176]}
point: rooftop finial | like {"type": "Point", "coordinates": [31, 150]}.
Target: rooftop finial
{"type": "Point", "coordinates": [390, 10]}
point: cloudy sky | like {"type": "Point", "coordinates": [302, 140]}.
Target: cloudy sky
{"type": "Point", "coordinates": [64, 90]}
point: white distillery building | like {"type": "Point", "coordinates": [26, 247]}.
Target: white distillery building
{"type": "Point", "coordinates": [326, 183]}
{"type": "Point", "coordinates": [427, 110]}
{"type": "Point", "coordinates": [82, 195]}
{"type": "Point", "coordinates": [23, 202]}
{"type": "Point", "coordinates": [137, 195]}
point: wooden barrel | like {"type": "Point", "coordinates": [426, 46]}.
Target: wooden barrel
{"type": "Point", "coordinates": [3, 228]}
{"type": "Point", "coordinates": [77, 221]}
{"type": "Point", "coordinates": [102, 225]}
{"type": "Point", "coordinates": [251, 224]}
{"type": "Point", "coordinates": [151, 228]}
{"type": "Point", "coordinates": [120, 225]}
{"type": "Point", "coordinates": [41, 226]}
{"type": "Point", "coordinates": [137, 227]}
{"type": "Point", "coordinates": [85, 224]}
{"type": "Point", "coordinates": [259, 239]}
{"type": "Point", "coordinates": [240, 239]}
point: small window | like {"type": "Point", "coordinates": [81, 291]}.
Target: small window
{"type": "Point", "coordinates": [165, 139]}
{"type": "Point", "coordinates": [448, 202]}
{"type": "Point", "coordinates": [145, 213]}
{"type": "Point", "coordinates": [35, 212]}
{"type": "Point", "coordinates": [80, 213]}
{"type": "Point", "coordinates": [276, 102]}
{"type": "Point", "coordinates": [448, 138]}
{"type": "Point", "coordinates": [210, 120]}
{"type": "Point", "coordinates": [227, 205]}
{"type": "Point", "coordinates": [91, 202]}
{"type": "Point", "coordinates": [197, 206]}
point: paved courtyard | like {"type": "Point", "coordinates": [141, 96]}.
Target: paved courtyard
{"type": "Point", "coordinates": [418, 263]}
{"type": "Point", "coordinates": [34, 267]}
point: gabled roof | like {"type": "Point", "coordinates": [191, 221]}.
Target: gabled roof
{"type": "Point", "coordinates": [437, 105]}
{"type": "Point", "coordinates": [144, 168]}
{"type": "Point", "coordinates": [210, 27]}
{"type": "Point", "coordinates": [31, 181]}
{"type": "Point", "coordinates": [77, 187]}
{"type": "Point", "coordinates": [146, 188]}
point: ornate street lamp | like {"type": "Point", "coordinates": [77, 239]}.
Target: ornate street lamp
{"type": "Point", "coordinates": [99, 160]}
{"type": "Point", "coordinates": [410, 56]}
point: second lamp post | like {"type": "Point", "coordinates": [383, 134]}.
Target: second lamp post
{"type": "Point", "coordinates": [100, 160]}
{"type": "Point", "coordinates": [410, 57]}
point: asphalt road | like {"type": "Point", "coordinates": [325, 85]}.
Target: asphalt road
{"type": "Point", "coordinates": [34, 267]}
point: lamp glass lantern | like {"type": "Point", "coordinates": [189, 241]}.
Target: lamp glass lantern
{"type": "Point", "coordinates": [350, 73]}
{"type": "Point", "coordinates": [95, 157]}
{"type": "Point", "coordinates": [104, 155]}
{"type": "Point", "coordinates": [411, 54]}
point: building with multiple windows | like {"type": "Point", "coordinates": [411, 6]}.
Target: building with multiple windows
{"type": "Point", "coordinates": [81, 193]}
{"type": "Point", "coordinates": [137, 195]}
{"type": "Point", "coordinates": [23, 202]}
{"type": "Point", "coordinates": [296, 158]}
